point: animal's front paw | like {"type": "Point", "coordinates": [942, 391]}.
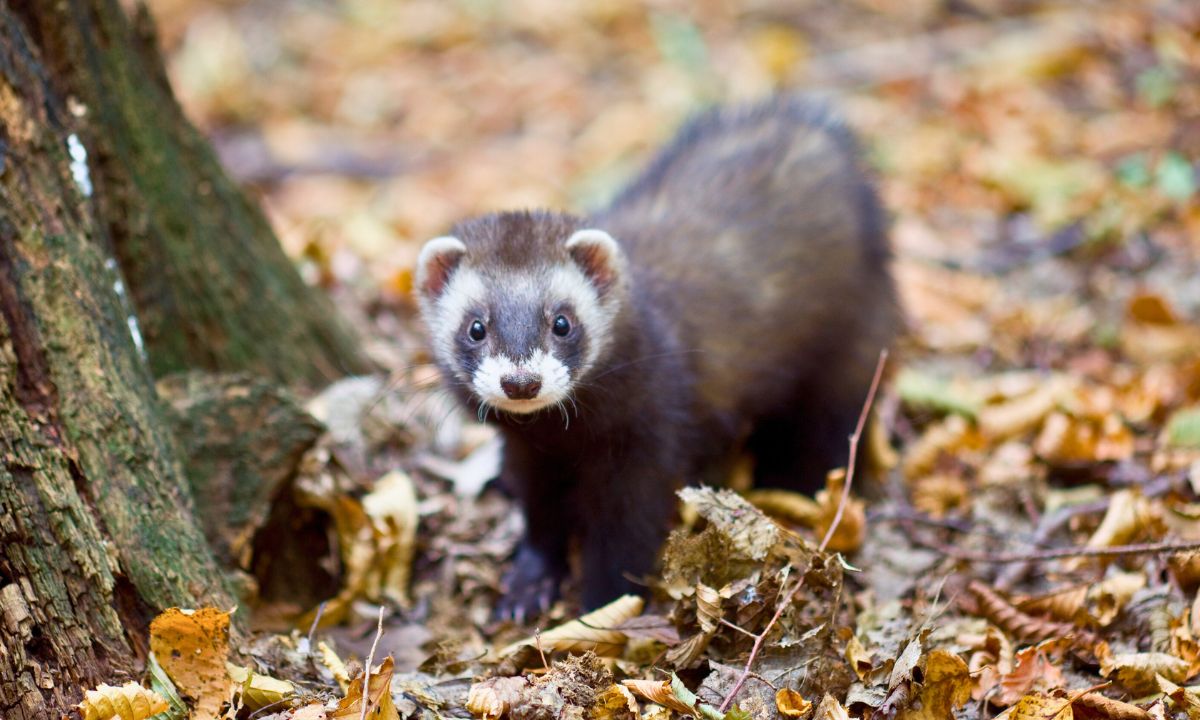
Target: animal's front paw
{"type": "Point", "coordinates": [530, 587]}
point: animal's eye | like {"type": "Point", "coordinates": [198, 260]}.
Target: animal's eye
{"type": "Point", "coordinates": [477, 331]}
{"type": "Point", "coordinates": [562, 326]}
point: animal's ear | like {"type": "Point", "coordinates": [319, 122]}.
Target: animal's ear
{"type": "Point", "coordinates": [599, 257]}
{"type": "Point", "coordinates": [437, 261]}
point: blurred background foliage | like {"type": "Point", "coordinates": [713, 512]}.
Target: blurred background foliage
{"type": "Point", "coordinates": [1003, 131]}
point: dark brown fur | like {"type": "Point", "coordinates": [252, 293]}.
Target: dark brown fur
{"type": "Point", "coordinates": [759, 300]}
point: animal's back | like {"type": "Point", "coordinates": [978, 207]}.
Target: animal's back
{"type": "Point", "coordinates": [758, 230]}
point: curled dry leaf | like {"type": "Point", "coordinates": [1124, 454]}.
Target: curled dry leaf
{"type": "Point", "coordinates": [595, 631]}
{"type": "Point", "coordinates": [751, 532]}
{"type": "Point", "coordinates": [830, 709]}
{"type": "Point", "coordinates": [852, 528]}
{"type": "Point", "coordinates": [615, 703]}
{"type": "Point", "coordinates": [191, 647]}
{"type": "Point", "coordinates": [378, 696]}
{"type": "Point", "coordinates": [491, 699]}
{"type": "Point", "coordinates": [791, 704]}
{"type": "Point", "coordinates": [708, 607]}
{"type": "Point", "coordinates": [1095, 604]}
{"type": "Point", "coordinates": [791, 507]}
{"type": "Point", "coordinates": [1024, 413]}
{"type": "Point", "coordinates": [1039, 707]}
{"type": "Point", "coordinates": [127, 702]}
{"type": "Point", "coordinates": [1140, 671]}
{"type": "Point", "coordinates": [651, 627]}
{"type": "Point", "coordinates": [315, 711]}
{"type": "Point", "coordinates": [945, 686]}
{"type": "Point", "coordinates": [1035, 670]}
{"type": "Point", "coordinates": [939, 493]}
{"type": "Point", "coordinates": [947, 437]}
{"type": "Point", "coordinates": [659, 692]}
{"type": "Point", "coordinates": [392, 507]}
{"type": "Point", "coordinates": [1130, 517]}
{"type": "Point", "coordinates": [259, 691]}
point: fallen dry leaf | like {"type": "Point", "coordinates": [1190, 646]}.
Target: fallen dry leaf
{"type": "Point", "coordinates": [127, 702]}
{"type": "Point", "coordinates": [594, 631]}
{"type": "Point", "coordinates": [191, 646]}
{"type": "Point", "coordinates": [378, 696]}
{"type": "Point", "coordinates": [792, 704]}
{"type": "Point", "coordinates": [259, 691]}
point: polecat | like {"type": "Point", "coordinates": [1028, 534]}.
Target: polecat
{"type": "Point", "coordinates": [735, 296]}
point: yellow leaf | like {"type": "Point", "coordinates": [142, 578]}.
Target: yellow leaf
{"type": "Point", "coordinates": [590, 632]}
{"type": "Point", "coordinates": [659, 692]}
{"type": "Point", "coordinates": [615, 703]}
{"type": "Point", "coordinates": [793, 507]}
{"type": "Point", "coordinates": [830, 709]}
{"type": "Point", "coordinates": [392, 508]}
{"type": "Point", "coordinates": [259, 691]}
{"type": "Point", "coordinates": [492, 698]}
{"type": "Point", "coordinates": [946, 685]}
{"type": "Point", "coordinates": [791, 703]}
{"type": "Point", "coordinates": [379, 696]}
{"type": "Point", "coordinates": [127, 702]}
{"type": "Point", "coordinates": [1139, 671]}
{"type": "Point", "coordinates": [1039, 707]}
{"type": "Point", "coordinates": [191, 646]}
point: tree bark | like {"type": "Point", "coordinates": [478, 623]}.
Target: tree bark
{"type": "Point", "coordinates": [96, 526]}
{"type": "Point", "coordinates": [211, 286]}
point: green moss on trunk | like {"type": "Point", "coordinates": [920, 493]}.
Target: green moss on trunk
{"type": "Point", "coordinates": [212, 288]}
{"type": "Point", "coordinates": [96, 532]}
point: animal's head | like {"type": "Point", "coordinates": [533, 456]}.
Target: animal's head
{"type": "Point", "coordinates": [519, 306]}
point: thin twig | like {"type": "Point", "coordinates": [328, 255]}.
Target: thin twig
{"type": "Point", "coordinates": [739, 628]}
{"type": "Point", "coordinates": [366, 696]}
{"type": "Point", "coordinates": [312, 630]}
{"type": "Point", "coordinates": [837, 519]}
{"type": "Point", "coordinates": [854, 442]}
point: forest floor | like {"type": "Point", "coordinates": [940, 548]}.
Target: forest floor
{"type": "Point", "coordinates": [1039, 161]}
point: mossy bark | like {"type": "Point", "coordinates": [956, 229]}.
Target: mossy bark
{"type": "Point", "coordinates": [96, 529]}
{"type": "Point", "coordinates": [212, 288]}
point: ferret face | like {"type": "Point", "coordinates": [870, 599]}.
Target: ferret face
{"type": "Point", "coordinates": [520, 307]}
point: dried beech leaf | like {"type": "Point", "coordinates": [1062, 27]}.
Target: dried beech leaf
{"type": "Point", "coordinates": [1019, 415]}
{"type": "Point", "coordinates": [1034, 671]}
{"type": "Point", "coordinates": [127, 702]}
{"type": "Point", "coordinates": [1129, 517]}
{"type": "Point", "coordinates": [615, 703]}
{"type": "Point", "coordinates": [259, 691]}
{"type": "Point", "coordinates": [315, 711]}
{"type": "Point", "coordinates": [945, 438]}
{"type": "Point", "coordinates": [392, 507]}
{"type": "Point", "coordinates": [192, 646]}
{"type": "Point", "coordinates": [830, 709]}
{"type": "Point", "coordinates": [1139, 671]}
{"type": "Point", "coordinates": [792, 704]}
{"type": "Point", "coordinates": [852, 528]}
{"type": "Point", "coordinates": [379, 696]}
{"type": "Point", "coordinates": [945, 686]}
{"type": "Point", "coordinates": [749, 531]}
{"type": "Point", "coordinates": [659, 692]}
{"type": "Point", "coordinates": [708, 608]}
{"type": "Point", "coordinates": [791, 507]}
{"type": "Point", "coordinates": [492, 698]}
{"type": "Point", "coordinates": [651, 627]}
{"type": "Point", "coordinates": [595, 631]}
{"type": "Point", "coordinates": [1039, 707]}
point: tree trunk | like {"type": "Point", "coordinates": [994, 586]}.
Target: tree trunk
{"type": "Point", "coordinates": [210, 283]}
{"type": "Point", "coordinates": [96, 526]}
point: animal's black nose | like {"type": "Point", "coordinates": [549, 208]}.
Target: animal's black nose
{"type": "Point", "coordinates": [521, 386]}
